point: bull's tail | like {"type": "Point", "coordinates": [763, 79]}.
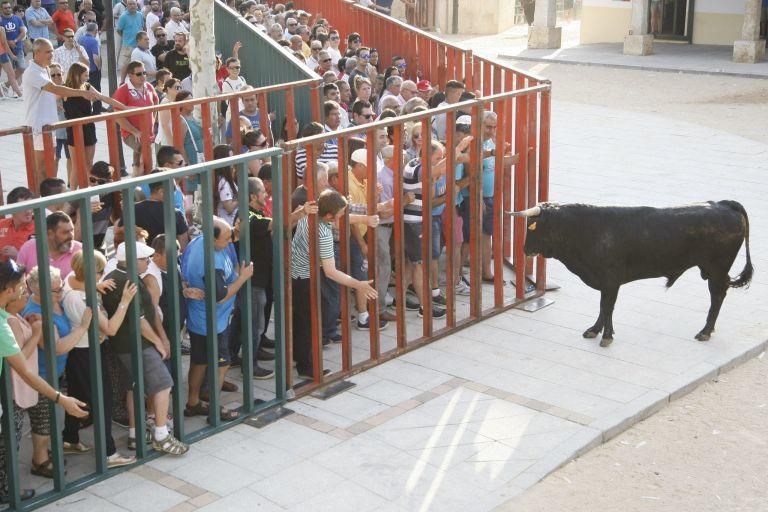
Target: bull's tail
{"type": "Point", "coordinates": [745, 276]}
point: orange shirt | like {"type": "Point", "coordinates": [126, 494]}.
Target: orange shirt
{"type": "Point", "coordinates": [9, 235]}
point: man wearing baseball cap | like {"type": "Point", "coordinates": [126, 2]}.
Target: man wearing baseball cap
{"type": "Point", "coordinates": [358, 248]}
{"type": "Point", "coordinates": [155, 348]}
{"type": "Point", "coordinates": [424, 89]}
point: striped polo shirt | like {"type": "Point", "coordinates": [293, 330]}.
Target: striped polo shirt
{"type": "Point", "coordinates": [300, 247]}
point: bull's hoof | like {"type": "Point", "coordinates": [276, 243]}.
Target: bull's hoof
{"type": "Point", "coordinates": [703, 336]}
{"type": "Point", "coordinates": [605, 342]}
{"type": "Point", "coordinates": [589, 334]}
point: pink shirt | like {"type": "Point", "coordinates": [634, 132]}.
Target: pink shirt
{"type": "Point", "coordinates": [28, 257]}
{"type": "Point", "coordinates": [24, 395]}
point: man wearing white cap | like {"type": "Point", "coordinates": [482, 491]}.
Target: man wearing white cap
{"type": "Point", "coordinates": [155, 347]}
{"type": "Point", "coordinates": [358, 248]}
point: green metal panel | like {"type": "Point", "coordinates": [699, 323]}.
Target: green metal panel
{"type": "Point", "coordinates": [62, 486]}
{"type": "Point", "coordinates": [263, 63]}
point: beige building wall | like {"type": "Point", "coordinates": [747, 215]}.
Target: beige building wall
{"type": "Point", "coordinates": [714, 21]}
{"type": "Point", "coordinates": [604, 22]}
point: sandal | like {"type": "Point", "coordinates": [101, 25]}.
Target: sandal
{"type": "Point", "coordinates": [170, 445]}
{"type": "Point", "coordinates": [228, 414]}
{"type": "Point", "coordinates": [44, 469]}
{"type": "Point", "coordinates": [199, 409]}
{"type": "Point", "coordinates": [229, 387]}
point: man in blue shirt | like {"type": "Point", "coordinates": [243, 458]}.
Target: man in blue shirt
{"type": "Point", "coordinates": [38, 20]}
{"type": "Point", "coordinates": [90, 44]}
{"type": "Point", "coordinates": [229, 279]}
{"type": "Point", "coordinates": [130, 23]}
{"type": "Point", "coordinates": [15, 33]}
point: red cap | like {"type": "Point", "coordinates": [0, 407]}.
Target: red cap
{"type": "Point", "coordinates": [424, 86]}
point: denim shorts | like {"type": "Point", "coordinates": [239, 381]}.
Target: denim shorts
{"type": "Point", "coordinates": [437, 235]}
{"type": "Point", "coordinates": [4, 58]}
{"type": "Point", "coordinates": [21, 60]}
{"type": "Point", "coordinates": [62, 143]}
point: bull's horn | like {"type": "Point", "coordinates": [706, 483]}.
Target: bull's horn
{"type": "Point", "coordinates": [530, 212]}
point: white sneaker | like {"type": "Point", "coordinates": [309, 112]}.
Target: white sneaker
{"type": "Point", "coordinates": [389, 300]}
{"type": "Point", "coordinates": [462, 288]}
{"type": "Point", "coordinates": [116, 460]}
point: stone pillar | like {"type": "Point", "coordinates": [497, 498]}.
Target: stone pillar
{"type": "Point", "coordinates": [639, 41]}
{"type": "Point", "coordinates": [543, 33]}
{"type": "Point", "coordinates": [750, 48]}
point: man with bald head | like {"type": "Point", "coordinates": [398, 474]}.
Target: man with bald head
{"type": "Point", "coordinates": [229, 278]}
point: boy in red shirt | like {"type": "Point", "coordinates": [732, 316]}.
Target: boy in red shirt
{"type": "Point", "coordinates": [18, 228]}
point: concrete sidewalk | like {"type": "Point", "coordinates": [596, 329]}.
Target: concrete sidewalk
{"type": "Point", "coordinates": [474, 419]}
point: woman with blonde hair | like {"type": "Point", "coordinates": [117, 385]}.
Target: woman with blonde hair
{"type": "Point", "coordinates": [414, 141]}
{"type": "Point", "coordinates": [76, 107]}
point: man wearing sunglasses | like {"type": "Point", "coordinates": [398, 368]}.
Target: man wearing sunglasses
{"type": "Point", "coordinates": [162, 46]}
{"type": "Point", "coordinates": [137, 92]}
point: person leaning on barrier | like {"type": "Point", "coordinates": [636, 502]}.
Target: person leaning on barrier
{"type": "Point", "coordinates": [78, 361]}
{"type": "Point", "coordinates": [330, 207]}
{"type": "Point", "coordinates": [40, 95]}
{"type": "Point", "coordinates": [229, 278]}
{"type": "Point", "coordinates": [11, 287]}
{"type": "Point", "coordinates": [155, 348]}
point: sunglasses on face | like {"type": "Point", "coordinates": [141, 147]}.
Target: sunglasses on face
{"type": "Point", "coordinates": [326, 60]}
{"type": "Point", "coordinates": [402, 66]}
{"type": "Point", "coordinates": [234, 67]}
{"type": "Point", "coordinates": [140, 73]}
{"type": "Point", "coordinates": [334, 39]}
{"type": "Point", "coordinates": [55, 74]}
{"type": "Point", "coordinates": [364, 55]}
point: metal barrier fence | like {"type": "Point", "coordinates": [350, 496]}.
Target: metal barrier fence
{"type": "Point", "coordinates": [265, 63]}
{"type": "Point", "coordinates": [527, 184]}
{"type": "Point", "coordinates": [81, 200]}
{"type": "Point", "coordinates": [108, 123]}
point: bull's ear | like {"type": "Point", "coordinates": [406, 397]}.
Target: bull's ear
{"type": "Point", "coordinates": [532, 226]}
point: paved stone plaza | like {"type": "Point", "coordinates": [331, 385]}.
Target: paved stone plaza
{"type": "Point", "coordinates": [471, 421]}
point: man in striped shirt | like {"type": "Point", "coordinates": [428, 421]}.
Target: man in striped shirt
{"type": "Point", "coordinates": [330, 207]}
{"type": "Point", "coordinates": [413, 218]}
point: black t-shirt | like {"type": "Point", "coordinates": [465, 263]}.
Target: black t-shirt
{"type": "Point", "coordinates": [150, 216]}
{"type": "Point", "coordinates": [159, 49]}
{"type": "Point", "coordinates": [261, 248]}
{"type": "Point", "coordinates": [177, 64]}
{"type": "Point", "coordinates": [123, 339]}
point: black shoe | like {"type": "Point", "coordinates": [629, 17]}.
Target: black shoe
{"type": "Point", "coordinates": [236, 362]}
{"type": "Point", "coordinates": [438, 300]}
{"type": "Point", "coordinates": [121, 421]}
{"type": "Point", "coordinates": [436, 313]}
{"type": "Point", "coordinates": [364, 326]}
{"type": "Point", "coordinates": [336, 338]}
{"type": "Point", "coordinates": [260, 373]}
{"type": "Point", "coordinates": [25, 494]}
{"type": "Point", "coordinates": [267, 342]}
{"type": "Point", "coordinates": [326, 342]}
{"type": "Point", "coordinates": [264, 355]}
{"type": "Point", "coordinates": [411, 303]}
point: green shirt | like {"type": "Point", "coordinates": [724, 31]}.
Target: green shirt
{"type": "Point", "coordinates": [8, 345]}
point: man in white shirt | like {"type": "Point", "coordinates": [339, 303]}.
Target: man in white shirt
{"type": "Point", "coordinates": [176, 24]}
{"type": "Point", "coordinates": [393, 88]}
{"type": "Point", "coordinates": [142, 54]}
{"type": "Point", "coordinates": [70, 52]}
{"type": "Point", "coordinates": [334, 39]}
{"type": "Point", "coordinates": [40, 98]}
{"type": "Point", "coordinates": [152, 21]}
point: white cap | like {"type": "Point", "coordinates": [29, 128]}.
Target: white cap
{"type": "Point", "coordinates": [360, 156]}
{"type": "Point", "coordinates": [142, 251]}
{"type": "Point", "coordinates": [464, 120]}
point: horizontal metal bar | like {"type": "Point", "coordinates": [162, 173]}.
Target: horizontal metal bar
{"type": "Point", "coordinates": [121, 185]}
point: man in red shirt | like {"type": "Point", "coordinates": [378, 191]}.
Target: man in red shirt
{"type": "Point", "coordinates": [137, 92]}
{"type": "Point", "coordinates": [18, 228]}
{"type": "Point", "coordinates": [63, 18]}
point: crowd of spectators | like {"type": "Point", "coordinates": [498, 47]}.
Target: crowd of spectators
{"type": "Point", "coordinates": [358, 88]}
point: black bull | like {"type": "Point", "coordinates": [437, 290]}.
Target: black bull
{"type": "Point", "coordinates": [609, 246]}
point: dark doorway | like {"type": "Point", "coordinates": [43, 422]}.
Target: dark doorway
{"type": "Point", "coordinates": [671, 19]}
